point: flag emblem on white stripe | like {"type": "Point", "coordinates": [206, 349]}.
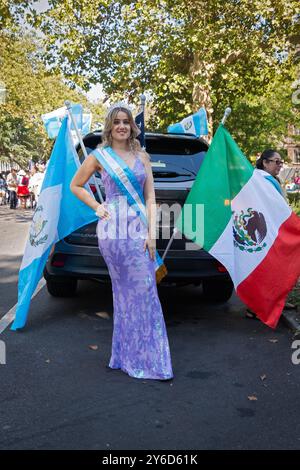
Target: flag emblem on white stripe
{"type": "Point", "coordinates": [249, 230]}
{"type": "Point", "coordinates": [37, 235]}
{"type": "Point", "coordinates": [188, 125]}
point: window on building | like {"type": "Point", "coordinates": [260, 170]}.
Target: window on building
{"type": "Point", "coordinates": [297, 155]}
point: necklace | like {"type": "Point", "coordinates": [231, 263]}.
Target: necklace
{"type": "Point", "coordinates": [129, 156]}
{"type": "Point", "coordinates": [130, 161]}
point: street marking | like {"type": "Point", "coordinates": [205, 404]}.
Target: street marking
{"type": "Point", "coordinates": [9, 317]}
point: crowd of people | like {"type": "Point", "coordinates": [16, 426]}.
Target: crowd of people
{"type": "Point", "coordinates": [21, 189]}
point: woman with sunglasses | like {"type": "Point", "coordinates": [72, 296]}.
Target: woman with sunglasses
{"type": "Point", "coordinates": [270, 161]}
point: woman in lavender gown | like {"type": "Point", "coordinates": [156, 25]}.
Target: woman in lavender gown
{"type": "Point", "coordinates": [140, 344]}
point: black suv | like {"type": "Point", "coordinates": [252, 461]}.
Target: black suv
{"type": "Point", "coordinates": [175, 161]}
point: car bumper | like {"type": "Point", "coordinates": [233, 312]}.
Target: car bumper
{"type": "Point", "coordinates": [186, 266]}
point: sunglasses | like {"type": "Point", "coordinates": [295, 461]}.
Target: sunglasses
{"type": "Point", "coordinates": [278, 162]}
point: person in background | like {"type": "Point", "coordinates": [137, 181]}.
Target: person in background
{"type": "Point", "coordinates": [35, 183]}
{"type": "Point", "coordinates": [297, 179]}
{"type": "Point", "coordinates": [30, 185]}
{"type": "Point", "coordinates": [42, 167]}
{"type": "Point", "coordinates": [12, 184]}
{"type": "Point", "coordinates": [2, 189]}
{"type": "Point", "coordinates": [23, 191]}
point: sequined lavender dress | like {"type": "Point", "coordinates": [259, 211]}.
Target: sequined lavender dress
{"type": "Point", "coordinates": [140, 344]}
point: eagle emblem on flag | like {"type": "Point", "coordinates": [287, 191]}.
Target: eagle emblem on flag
{"type": "Point", "coordinates": [249, 230]}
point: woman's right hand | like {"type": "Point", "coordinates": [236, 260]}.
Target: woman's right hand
{"type": "Point", "coordinates": [102, 212]}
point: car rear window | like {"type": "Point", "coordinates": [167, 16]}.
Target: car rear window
{"type": "Point", "coordinates": [173, 157]}
{"type": "Point", "coordinates": [169, 144]}
{"type": "Point", "coordinates": [174, 145]}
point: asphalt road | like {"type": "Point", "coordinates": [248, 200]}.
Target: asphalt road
{"type": "Point", "coordinates": [235, 385]}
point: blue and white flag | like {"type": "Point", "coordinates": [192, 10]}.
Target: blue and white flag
{"type": "Point", "coordinates": [57, 214]}
{"type": "Point", "coordinates": [195, 124]}
{"type": "Point", "coordinates": [53, 121]}
{"type": "Point", "coordinates": [86, 123]}
{"type": "Point", "coordinates": [140, 122]}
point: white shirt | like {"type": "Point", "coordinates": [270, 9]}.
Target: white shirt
{"type": "Point", "coordinates": [35, 183]}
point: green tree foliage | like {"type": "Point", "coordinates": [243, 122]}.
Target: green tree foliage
{"type": "Point", "coordinates": [31, 91]}
{"type": "Point", "coordinates": [11, 11]}
{"type": "Point", "coordinates": [260, 122]}
{"type": "Point", "coordinates": [187, 53]}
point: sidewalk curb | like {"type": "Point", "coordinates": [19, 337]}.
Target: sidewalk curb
{"type": "Point", "coordinates": [292, 319]}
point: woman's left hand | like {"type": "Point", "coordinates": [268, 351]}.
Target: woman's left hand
{"type": "Point", "coordinates": [151, 245]}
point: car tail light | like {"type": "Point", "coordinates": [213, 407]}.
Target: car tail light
{"type": "Point", "coordinates": [58, 260]}
{"type": "Point", "coordinates": [221, 268]}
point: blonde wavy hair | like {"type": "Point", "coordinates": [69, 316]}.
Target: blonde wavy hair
{"type": "Point", "coordinates": [134, 144]}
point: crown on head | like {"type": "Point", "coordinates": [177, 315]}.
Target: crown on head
{"type": "Point", "coordinates": [119, 104]}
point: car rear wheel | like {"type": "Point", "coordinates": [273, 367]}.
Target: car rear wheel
{"type": "Point", "coordinates": [217, 290]}
{"type": "Point", "coordinates": [62, 288]}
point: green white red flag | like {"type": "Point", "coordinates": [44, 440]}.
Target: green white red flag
{"type": "Point", "coordinates": [248, 227]}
